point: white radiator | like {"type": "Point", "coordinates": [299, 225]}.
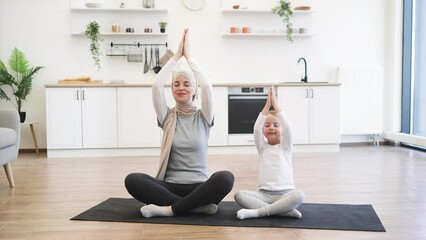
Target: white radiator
{"type": "Point", "coordinates": [361, 100]}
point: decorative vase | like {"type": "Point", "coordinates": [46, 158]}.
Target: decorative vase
{"type": "Point", "coordinates": [22, 116]}
{"type": "Point", "coordinates": [162, 30]}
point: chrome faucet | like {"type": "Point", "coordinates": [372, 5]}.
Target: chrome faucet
{"type": "Point", "coordinates": [304, 79]}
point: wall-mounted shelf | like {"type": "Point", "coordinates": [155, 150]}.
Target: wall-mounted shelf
{"type": "Point", "coordinates": [125, 34]}
{"type": "Point", "coordinates": [264, 23]}
{"type": "Point", "coordinates": [146, 10]}
{"type": "Point", "coordinates": [135, 17]}
{"type": "Point", "coordinates": [263, 35]}
{"type": "Point", "coordinates": [263, 11]}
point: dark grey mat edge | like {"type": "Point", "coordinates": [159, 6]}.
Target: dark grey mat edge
{"type": "Point", "coordinates": [315, 216]}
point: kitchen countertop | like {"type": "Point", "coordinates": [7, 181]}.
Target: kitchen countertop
{"type": "Point", "coordinates": [275, 84]}
{"type": "Point", "coordinates": [214, 84]}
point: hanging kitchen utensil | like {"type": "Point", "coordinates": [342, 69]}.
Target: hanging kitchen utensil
{"type": "Point", "coordinates": [157, 67]}
{"type": "Point", "coordinates": [158, 59]}
{"type": "Point", "coordinates": [146, 67]}
{"type": "Point", "coordinates": [151, 60]}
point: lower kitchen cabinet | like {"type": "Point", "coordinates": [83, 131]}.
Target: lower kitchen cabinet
{"type": "Point", "coordinates": [81, 118]}
{"type": "Point", "coordinates": [137, 121]}
{"type": "Point", "coordinates": [219, 132]}
{"type": "Point", "coordinates": [120, 120]}
{"type": "Point", "coordinates": [63, 118]}
{"type": "Point", "coordinates": [314, 113]}
{"type": "Point", "coordinates": [115, 117]}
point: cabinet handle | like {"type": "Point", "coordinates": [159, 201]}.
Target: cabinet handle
{"type": "Point", "coordinates": [78, 93]}
{"type": "Point", "coordinates": [84, 98]}
{"type": "Point", "coordinates": [312, 93]}
{"type": "Point", "coordinates": [307, 93]}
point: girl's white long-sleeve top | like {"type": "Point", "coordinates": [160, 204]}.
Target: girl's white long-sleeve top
{"type": "Point", "coordinates": [275, 161]}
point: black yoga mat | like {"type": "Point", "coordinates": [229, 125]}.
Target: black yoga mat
{"type": "Point", "coordinates": [315, 216]}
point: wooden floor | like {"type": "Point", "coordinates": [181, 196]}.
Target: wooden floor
{"type": "Point", "coordinates": [49, 192]}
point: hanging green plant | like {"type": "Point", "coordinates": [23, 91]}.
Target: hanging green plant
{"type": "Point", "coordinates": [92, 33]}
{"type": "Point", "coordinates": [283, 9]}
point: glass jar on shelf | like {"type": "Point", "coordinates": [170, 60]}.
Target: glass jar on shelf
{"type": "Point", "coordinates": [115, 26]}
{"type": "Point", "coordinates": [148, 3]}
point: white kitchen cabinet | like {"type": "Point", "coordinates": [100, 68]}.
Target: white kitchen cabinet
{"type": "Point", "coordinates": [99, 117]}
{"type": "Point", "coordinates": [219, 132]}
{"type": "Point", "coordinates": [137, 121]}
{"type": "Point", "coordinates": [81, 118]}
{"type": "Point", "coordinates": [313, 112]}
{"type": "Point", "coordinates": [63, 118]}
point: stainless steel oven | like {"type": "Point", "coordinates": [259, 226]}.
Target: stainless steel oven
{"type": "Point", "coordinates": [244, 105]}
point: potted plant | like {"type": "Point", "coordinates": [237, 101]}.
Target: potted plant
{"type": "Point", "coordinates": [19, 81]}
{"type": "Point", "coordinates": [163, 26]}
{"type": "Point", "coordinates": [92, 33]}
{"type": "Point", "coordinates": [283, 9]}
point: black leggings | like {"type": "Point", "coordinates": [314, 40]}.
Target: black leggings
{"type": "Point", "coordinates": [182, 197]}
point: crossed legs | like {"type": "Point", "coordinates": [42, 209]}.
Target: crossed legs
{"type": "Point", "coordinates": [169, 199]}
{"type": "Point", "coordinates": [262, 204]}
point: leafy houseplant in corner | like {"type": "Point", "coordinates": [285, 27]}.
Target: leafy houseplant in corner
{"type": "Point", "coordinates": [283, 9]}
{"type": "Point", "coordinates": [92, 33]}
{"type": "Point", "coordinates": [19, 82]}
{"type": "Point", "coordinates": [163, 26]}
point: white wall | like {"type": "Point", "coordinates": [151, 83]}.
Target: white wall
{"type": "Point", "coordinates": [349, 33]}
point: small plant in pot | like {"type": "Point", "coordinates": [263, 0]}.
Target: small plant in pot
{"type": "Point", "coordinates": [19, 82]}
{"type": "Point", "coordinates": [92, 32]}
{"type": "Point", "coordinates": [163, 26]}
{"type": "Point", "coordinates": [283, 9]}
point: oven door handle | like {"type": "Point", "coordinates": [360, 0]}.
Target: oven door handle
{"type": "Point", "coordinates": [248, 97]}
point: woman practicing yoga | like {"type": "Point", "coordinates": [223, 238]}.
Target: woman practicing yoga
{"type": "Point", "coordinates": [277, 194]}
{"type": "Point", "coordinates": [182, 183]}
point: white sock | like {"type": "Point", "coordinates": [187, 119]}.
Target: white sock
{"type": "Point", "coordinates": [152, 210]}
{"type": "Point", "coordinates": [207, 209]}
{"type": "Point", "coordinates": [263, 212]}
{"type": "Point", "coordinates": [292, 213]}
{"type": "Point", "coordinates": [247, 213]}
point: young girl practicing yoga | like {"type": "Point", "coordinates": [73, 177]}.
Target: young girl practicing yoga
{"type": "Point", "coordinates": [277, 194]}
{"type": "Point", "coordinates": [182, 183]}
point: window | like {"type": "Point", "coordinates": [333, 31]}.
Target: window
{"type": "Point", "coordinates": [414, 68]}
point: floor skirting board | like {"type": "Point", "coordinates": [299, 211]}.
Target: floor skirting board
{"type": "Point", "coordinates": [361, 138]}
{"type": "Point", "coordinates": [405, 138]}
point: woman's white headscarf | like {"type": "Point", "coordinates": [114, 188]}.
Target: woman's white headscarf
{"type": "Point", "coordinates": [183, 70]}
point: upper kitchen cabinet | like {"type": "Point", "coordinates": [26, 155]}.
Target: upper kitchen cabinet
{"type": "Point", "coordinates": [130, 20]}
{"type": "Point", "coordinates": [258, 20]}
{"type": "Point", "coordinates": [313, 112]}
